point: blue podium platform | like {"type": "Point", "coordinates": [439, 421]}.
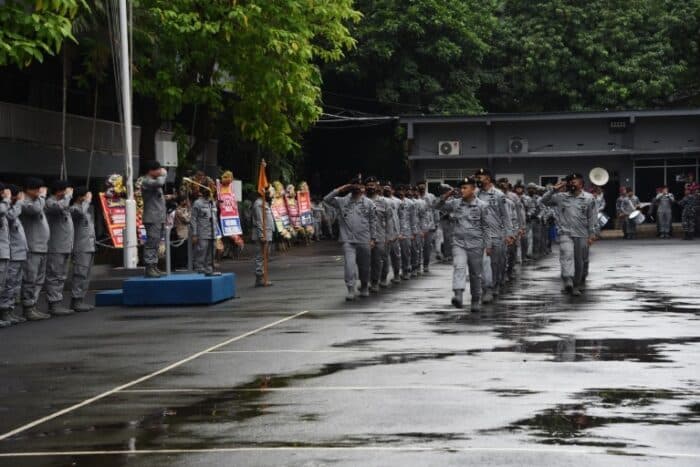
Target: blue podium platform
{"type": "Point", "coordinates": [175, 289]}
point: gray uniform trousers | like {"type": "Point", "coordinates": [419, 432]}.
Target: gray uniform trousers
{"type": "Point", "coordinates": [4, 269]}
{"type": "Point", "coordinates": [447, 228]}
{"type": "Point", "coordinates": [13, 285]}
{"type": "Point", "coordinates": [495, 265]}
{"type": "Point", "coordinates": [573, 257]}
{"type": "Point", "coordinates": [406, 248]}
{"type": "Point", "coordinates": [378, 261]}
{"type": "Point", "coordinates": [663, 218]}
{"type": "Point", "coordinates": [259, 260]}
{"type": "Point", "coordinates": [56, 274]}
{"type": "Point", "coordinates": [80, 277]}
{"type": "Point", "coordinates": [154, 234]}
{"type": "Point", "coordinates": [392, 257]}
{"type": "Point", "coordinates": [428, 247]}
{"type": "Point", "coordinates": [33, 277]}
{"type": "Point", "coordinates": [416, 252]}
{"type": "Point", "coordinates": [202, 261]}
{"type": "Point", "coordinates": [461, 259]}
{"type": "Point", "coordinates": [357, 262]}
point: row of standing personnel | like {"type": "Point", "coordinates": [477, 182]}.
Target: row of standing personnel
{"type": "Point", "coordinates": [486, 231]}
{"type": "Point", "coordinates": [42, 235]}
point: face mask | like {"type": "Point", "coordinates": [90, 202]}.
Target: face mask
{"type": "Point", "coordinates": [387, 193]}
{"type": "Point", "coordinates": [479, 183]}
{"type": "Point", "coordinates": [371, 191]}
{"type": "Point", "coordinates": [571, 187]}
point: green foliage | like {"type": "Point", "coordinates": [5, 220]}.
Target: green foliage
{"type": "Point", "coordinates": [258, 57]}
{"type": "Point", "coordinates": [426, 54]}
{"type": "Point", "coordinates": [30, 30]}
{"type": "Point", "coordinates": [598, 54]}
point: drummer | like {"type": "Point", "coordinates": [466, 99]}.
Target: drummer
{"type": "Point", "coordinates": [628, 204]}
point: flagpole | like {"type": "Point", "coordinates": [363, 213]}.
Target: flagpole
{"type": "Point", "coordinates": [266, 246]}
{"type": "Point", "coordinates": [130, 239]}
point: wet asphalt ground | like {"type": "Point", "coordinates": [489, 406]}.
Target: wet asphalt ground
{"type": "Point", "coordinates": [294, 375]}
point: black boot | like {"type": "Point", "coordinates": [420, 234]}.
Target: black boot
{"type": "Point", "coordinates": [32, 314]}
{"type": "Point", "coordinates": [57, 309]}
{"type": "Point", "coordinates": [7, 316]}
{"type": "Point", "coordinates": [152, 272]}
{"type": "Point", "coordinates": [78, 305]}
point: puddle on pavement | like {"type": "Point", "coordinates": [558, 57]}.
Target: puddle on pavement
{"type": "Point", "coordinates": [575, 423]}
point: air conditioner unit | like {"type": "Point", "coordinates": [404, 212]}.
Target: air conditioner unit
{"type": "Point", "coordinates": [517, 145]}
{"type": "Point", "coordinates": [166, 153]}
{"type": "Point", "coordinates": [448, 148]}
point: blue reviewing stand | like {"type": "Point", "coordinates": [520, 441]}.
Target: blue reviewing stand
{"type": "Point", "coordinates": [175, 289]}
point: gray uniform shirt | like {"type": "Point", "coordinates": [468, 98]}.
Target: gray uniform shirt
{"type": "Point", "coordinates": [357, 218]}
{"type": "Point", "coordinates": [470, 222]}
{"type": "Point", "coordinates": [383, 212]}
{"type": "Point", "coordinates": [84, 226]}
{"type": "Point", "coordinates": [203, 219]}
{"type": "Point", "coordinates": [404, 214]}
{"type": "Point", "coordinates": [413, 216]}
{"type": "Point", "coordinates": [153, 200]}
{"type": "Point", "coordinates": [498, 217]}
{"type": "Point", "coordinates": [393, 226]}
{"type": "Point", "coordinates": [4, 228]}
{"type": "Point", "coordinates": [36, 227]}
{"type": "Point", "coordinates": [60, 224]}
{"type": "Point", "coordinates": [576, 215]}
{"type": "Point", "coordinates": [664, 202]}
{"type": "Point", "coordinates": [257, 231]}
{"type": "Point", "coordinates": [431, 218]}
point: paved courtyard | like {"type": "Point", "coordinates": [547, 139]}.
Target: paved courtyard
{"type": "Point", "coordinates": [294, 375]}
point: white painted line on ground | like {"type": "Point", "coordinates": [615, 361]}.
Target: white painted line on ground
{"type": "Point", "coordinates": [145, 378]}
{"type": "Point", "coordinates": [446, 448]}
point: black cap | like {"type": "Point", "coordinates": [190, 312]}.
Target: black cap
{"type": "Point", "coordinates": [14, 189]}
{"type": "Point", "coordinates": [483, 172]}
{"type": "Point", "coordinates": [574, 176]}
{"type": "Point", "coordinates": [371, 178]}
{"type": "Point", "coordinates": [58, 185]}
{"type": "Point", "coordinates": [151, 165]}
{"type": "Point", "coordinates": [467, 181]}
{"type": "Point", "coordinates": [32, 183]}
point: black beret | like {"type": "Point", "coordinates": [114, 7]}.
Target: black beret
{"type": "Point", "coordinates": [483, 172]}
{"type": "Point", "coordinates": [14, 189]}
{"type": "Point", "coordinates": [58, 185]}
{"type": "Point", "coordinates": [80, 191]}
{"type": "Point", "coordinates": [151, 165]}
{"type": "Point", "coordinates": [32, 183]}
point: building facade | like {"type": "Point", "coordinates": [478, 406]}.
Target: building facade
{"type": "Point", "coordinates": [640, 149]}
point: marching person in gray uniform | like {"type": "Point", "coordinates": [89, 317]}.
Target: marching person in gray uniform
{"type": "Point", "coordinates": [379, 251]}
{"type": "Point", "coordinates": [262, 239]}
{"type": "Point", "coordinates": [36, 229]}
{"type": "Point", "coordinates": [663, 204]}
{"type": "Point", "coordinates": [430, 223]}
{"type": "Point", "coordinates": [405, 233]}
{"type": "Point", "coordinates": [83, 248]}
{"type": "Point", "coordinates": [153, 214]}
{"type": "Point", "coordinates": [446, 225]}
{"type": "Point", "coordinates": [500, 231]}
{"type": "Point", "coordinates": [203, 222]}
{"type": "Point", "coordinates": [18, 255]}
{"type": "Point", "coordinates": [358, 225]}
{"type": "Point", "coordinates": [393, 248]}
{"type": "Point", "coordinates": [5, 202]}
{"type": "Point", "coordinates": [516, 218]}
{"type": "Point", "coordinates": [578, 227]}
{"type": "Point", "coordinates": [470, 240]}
{"type": "Point", "coordinates": [417, 213]}
{"type": "Point", "coordinates": [60, 245]}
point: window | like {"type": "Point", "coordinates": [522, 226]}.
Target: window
{"type": "Point", "coordinates": [550, 179]}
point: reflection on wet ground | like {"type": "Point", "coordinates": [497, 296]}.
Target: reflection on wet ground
{"type": "Point", "coordinates": [616, 370]}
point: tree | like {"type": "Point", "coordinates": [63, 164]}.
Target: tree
{"type": "Point", "coordinates": [599, 54]}
{"type": "Point", "coordinates": [260, 58]}
{"type": "Point", "coordinates": [418, 55]}
{"type": "Point", "coordinates": [31, 29]}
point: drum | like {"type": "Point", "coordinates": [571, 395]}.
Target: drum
{"type": "Point", "coordinates": [602, 220]}
{"type": "Point", "coordinates": [637, 217]}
